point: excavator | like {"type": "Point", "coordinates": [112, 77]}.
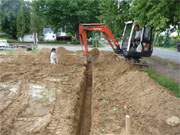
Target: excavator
{"type": "Point", "coordinates": [136, 41]}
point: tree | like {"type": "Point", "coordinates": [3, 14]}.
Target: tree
{"type": "Point", "coordinates": [8, 14]}
{"type": "Point", "coordinates": [37, 18]}
{"type": "Point", "coordinates": [9, 11]}
{"type": "Point", "coordinates": [69, 13]}
{"type": "Point", "coordinates": [157, 13]}
{"type": "Point", "coordinates": [20, 22]}
{"type": "Point", "coordinates": [36, 21]}
{"type": "Point", "coordinates": [114, 13]}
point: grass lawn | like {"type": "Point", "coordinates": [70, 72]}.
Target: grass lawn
{"type": "Point", "coordinates": [164, 81]}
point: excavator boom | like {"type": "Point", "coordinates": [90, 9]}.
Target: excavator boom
{"type": "Point", "coordinates": [83, 28]}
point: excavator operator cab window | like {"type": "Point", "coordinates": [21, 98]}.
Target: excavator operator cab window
{"type": "Point", "coordinates": [126, 35]}
{"type": "Point", "coordinates": [136, 37]}
{"type": "Point", "coordinates": [137, 33]}
{"type": "Point", "coordinates": [147, 34]}
{"type": "Point", "coordinates": [147, 41]}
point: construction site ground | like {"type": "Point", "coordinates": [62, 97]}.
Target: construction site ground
{"type": "Point", "coordinates": [76, 97]}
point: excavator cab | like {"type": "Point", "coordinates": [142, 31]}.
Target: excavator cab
{"type": "Point", "coordinates": [136, 41]}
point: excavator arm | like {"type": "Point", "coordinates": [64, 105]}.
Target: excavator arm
{"type": "Point", "coordinates": [83, 28]}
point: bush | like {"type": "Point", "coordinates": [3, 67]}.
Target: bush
{"type": "Point", "coordinates": [74, 42]}
{"type": "Point", "coordinates": [164, 41]}
{"type": "Point", "coordinates": [4, 36]}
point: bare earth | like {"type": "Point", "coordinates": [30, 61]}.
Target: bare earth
{"type": "Point", "coordinates": [120, 89]}
{"type": "Point", "coordinates": [76, 97]}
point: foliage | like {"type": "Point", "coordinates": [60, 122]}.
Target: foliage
{"type": "Point", "coordinates": [19, 16]}
{"type": "Point", "coordinates": [69, 13]}
{"type": "Point", "coordinates": [165, 41]}
{"type": "Point", "coordinates": [164, 81]}
{"type": "Point", "coordinates": [115, 16]}
{"type": "Point", "coordinates": [10, 11]}
{"type": "Point", "coordinates": [8, 14]}
{"type": "Point", "coordinates": [21, 20]}
{"type": "Point", "coordinates": [37, 19]}
{"type": "Point", "coordinates": [157, 13]}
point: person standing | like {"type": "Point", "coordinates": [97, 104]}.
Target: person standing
{"type": "Point", "coordinates": [137, 33]}
{"type": "Point", "coordinates": [53, 56]}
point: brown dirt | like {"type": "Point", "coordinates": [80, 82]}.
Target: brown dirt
{"type": "Point", "coordinates": [47, 98]}
{"type": "Point", "coordinates": [85, 114]}
{"type": "Point", "coordinates": [120, 89]}
{"type": "Point", "coordinates": [79, 98]}
{"type": "Point", "coordinates": [93, 55]}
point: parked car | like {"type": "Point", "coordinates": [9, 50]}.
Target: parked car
{"type": "Point", "coordinates": [62, 36]}
{"type": "Point", "coordinates": [49, 37]}
{"type": "Point", "coordinates": [4, 44]}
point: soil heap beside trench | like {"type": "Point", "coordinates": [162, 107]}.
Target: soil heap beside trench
{"type": "Point", "coordinates": [76, 97]}
{"type": "Point", "coordinates": [121, 89]}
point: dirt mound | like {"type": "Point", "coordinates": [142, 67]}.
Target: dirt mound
{"type": "Point", "coordinates": [94, 54]}
{"type": "Point", "coordinates": [75, 97]}
{"type": "Point", "coordinates": [66, 57]}
{"type": "Point", "coordinates": [120, 89]}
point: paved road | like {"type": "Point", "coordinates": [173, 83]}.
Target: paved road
{"type": "Point", "coordinates": [165, 54]}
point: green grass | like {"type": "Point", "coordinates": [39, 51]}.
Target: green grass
{"type": "Point", "coordinates": [4, 36]}
{"type": "Point", "coordinates": [35, 50]}
{"type": "Point", "coordinates": [74, 42]}
{"type": "Point", "coordinates": [8, 52]}
{"type": "Point", "coordinates": [164, 81]}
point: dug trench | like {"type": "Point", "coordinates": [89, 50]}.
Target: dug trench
{"type": "Point", "coordinates": [84, 126]}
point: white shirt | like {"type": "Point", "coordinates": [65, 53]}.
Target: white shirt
{"type": "Point", "coordinates": [139, 48]}
{"type": "Point", "coordinates": [53, 58]}
{"type": "Point", "coordinates": [138, 35]}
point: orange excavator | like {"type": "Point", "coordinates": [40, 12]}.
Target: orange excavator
{"type": "Point", "coordinates": [136, 42]}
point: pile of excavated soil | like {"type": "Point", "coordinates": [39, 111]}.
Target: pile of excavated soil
{"type": "Point", "coordinates": [120, 89]}
{"type": "Point", "coordinates": [75, 97]}
{"type": "Point", "coordinates": [93, 55]}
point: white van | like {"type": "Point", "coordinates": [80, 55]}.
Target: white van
{"type": "Point", "coordinates": [4, 44]}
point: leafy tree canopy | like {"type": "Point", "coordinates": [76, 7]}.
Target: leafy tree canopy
{"type": "Point", "coordinates": [8, 14]}
{"type": "Point", "coordinates": [114, 13]}
{"type": "Point", "coordinates": [59, 13]}
{"type": "Point", "coordinates": [157, 13]}
{"type": "Point", "coordinates": [18, 18]}
{"type": "Point", "coordinates": [23, 18]}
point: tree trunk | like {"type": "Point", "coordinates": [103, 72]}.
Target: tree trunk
{"type": "Point", "coordinates": [35, 36]}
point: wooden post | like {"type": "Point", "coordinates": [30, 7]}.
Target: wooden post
{"type": "Point", "coordinates": [128, 124]}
